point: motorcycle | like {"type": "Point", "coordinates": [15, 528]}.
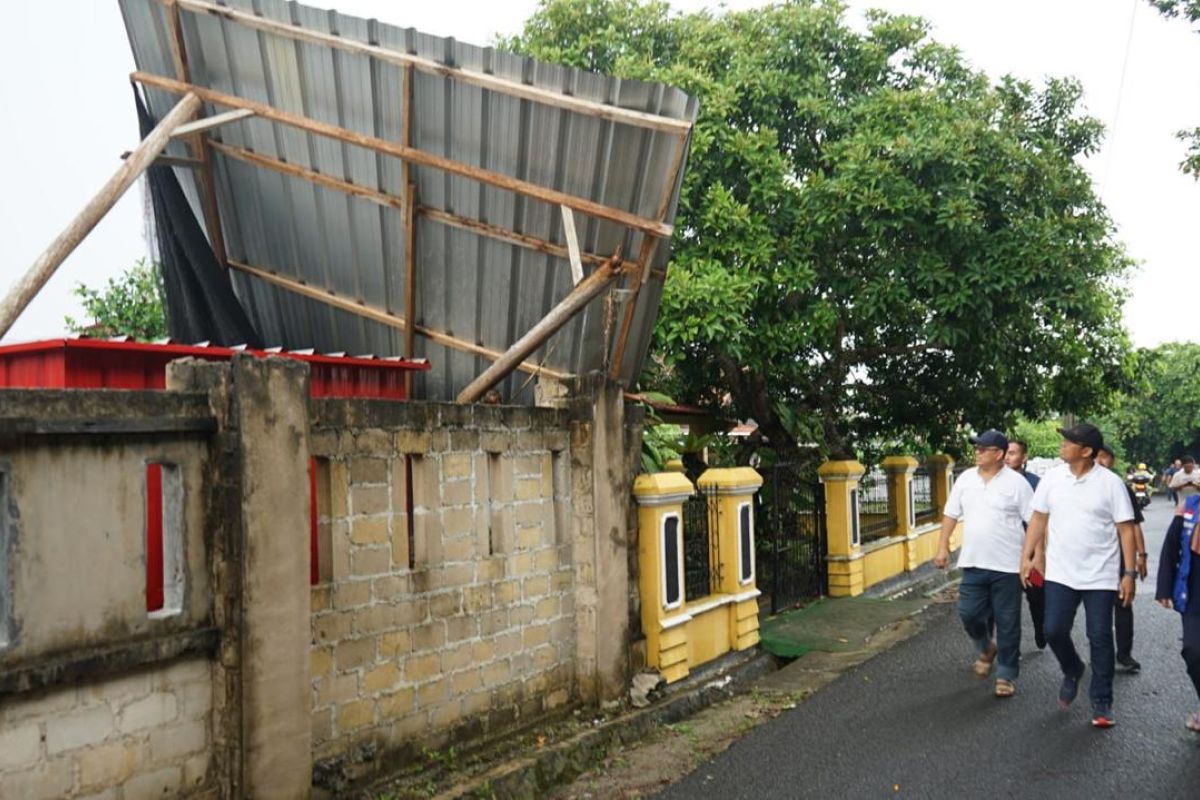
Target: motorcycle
{"type": "Point", "coordinates": [1141, 491]}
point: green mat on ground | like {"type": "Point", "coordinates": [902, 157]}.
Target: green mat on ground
{"type": "Point", "coordinates": [833, 625]}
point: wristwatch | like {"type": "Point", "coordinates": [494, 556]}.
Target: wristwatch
{"type": "Point", "coordinates": [1129, 573]}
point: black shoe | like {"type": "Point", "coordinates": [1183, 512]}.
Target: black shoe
{"type": "Point", "coordinates": [1039, 639]}
{"type": "Point", "coordinates": [1129, 664]}
{"type": "Point", "coordinates": [1069, 688]}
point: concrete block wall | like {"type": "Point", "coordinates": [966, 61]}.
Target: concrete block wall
{"type": "Point", "coordinates": [141, 735]}
{"type": "Point", "coordinates": [479, 632]}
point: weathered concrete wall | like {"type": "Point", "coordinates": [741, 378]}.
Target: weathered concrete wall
{"type": "Point", "coordinates": [142, 735]}
{"type": "Point", "coordinates": [74, 526]}
{"type": "Point", "coordinates": [480, 633]}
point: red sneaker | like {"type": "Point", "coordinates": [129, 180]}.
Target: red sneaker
{"type": "Point", "coordinates": [1103, 718]}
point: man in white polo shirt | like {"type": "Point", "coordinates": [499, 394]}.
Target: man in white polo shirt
{"type": "Point", "coordinates": [1087, 512]}
{"type": "Point", "coordinates": [993, 501]}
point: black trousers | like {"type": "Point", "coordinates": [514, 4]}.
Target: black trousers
{"type": "Point", "coordinates": [1191, 648]}
{"type": "Point", "coordinates": [1036, 597]}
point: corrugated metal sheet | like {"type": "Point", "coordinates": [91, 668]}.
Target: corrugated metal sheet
{"type": "Point", "coordinates": [484, 291]}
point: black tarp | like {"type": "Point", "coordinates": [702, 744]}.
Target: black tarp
{"type": "Point", "coordinates": [201, 304]}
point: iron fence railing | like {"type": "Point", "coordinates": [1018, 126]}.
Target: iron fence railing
{"type": "Point", "coordinates": [876, 515]}
{"type": "Point", "coordinates": [924, 511]}
{"type": "Point", "coordinates": [701, 562]}
{"type": "Point", "coordinates": [790, 536]}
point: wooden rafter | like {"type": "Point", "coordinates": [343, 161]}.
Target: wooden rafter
{"type": "Point", "coordinates": [656, 228]}
{"type": "Point", "coordinates": [205, 181]}
{"type": "Point", "coordinates": [335, 300]}
{"type": "Point", "coordinates": [208, 123]}
{"type": "Point", "coordinates": [410, 227]}
{"type": "Point", "coordinates": [483, 80]}
{"type": "Point", "coordinates": [393, 201]}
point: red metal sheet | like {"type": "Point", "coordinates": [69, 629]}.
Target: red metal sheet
{"type": "Point", "coordinates": [154, 538]}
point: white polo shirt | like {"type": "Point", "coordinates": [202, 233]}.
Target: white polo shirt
{"type": "Point", "coordinates": [991, 513]}
{"type": "Point", "coordinates": [1083, 550]}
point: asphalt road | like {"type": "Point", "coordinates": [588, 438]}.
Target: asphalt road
{"type": "Point", "coordinates": [916, 722]}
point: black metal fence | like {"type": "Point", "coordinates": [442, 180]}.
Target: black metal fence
{"type": "Point", "coordinates": [924, 510]}
{"type": "Point", "coordinates": [876, 515]}
{"type": "Point", "coordinates": [790, 536]}
{"type": "Point", "coordinates": [701, 562]}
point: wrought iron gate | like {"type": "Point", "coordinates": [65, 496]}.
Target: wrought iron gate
{"type": "Point", "coordinates": [791, 537]}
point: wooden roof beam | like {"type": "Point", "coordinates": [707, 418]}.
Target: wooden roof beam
{"type": "Point", "coordinates": [483, 80]}
{"type": "Point", "coordinates": [422, 158]}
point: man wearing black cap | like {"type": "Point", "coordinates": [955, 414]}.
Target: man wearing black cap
{"type": "Point", "coordinates": [1091, 542]}
{"type": "Point", "coordinates": [993, 502]}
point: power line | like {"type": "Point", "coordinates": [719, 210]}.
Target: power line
{"type": "Point", "coordinates": [1112, 137]}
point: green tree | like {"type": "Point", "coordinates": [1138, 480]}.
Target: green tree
{"type": "Point", "coordinates": [1041, 436]}
{"type": "Point", "coordinates": [129, 305]}
{"type": "Point", "coordinates": [874, 243]}
{"type": "Point", "coordinates": [1162, 419]}
{"type": "Point", "coordinates": [1189, 10]}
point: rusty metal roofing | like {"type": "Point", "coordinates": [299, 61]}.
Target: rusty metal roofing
{"type": "Point", "coordinates": [478, 289]}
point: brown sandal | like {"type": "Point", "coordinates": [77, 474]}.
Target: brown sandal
{"type": "Point", "coordinates": [983, 664]}
{"type": "Point", "coordinates": [1005, 688]}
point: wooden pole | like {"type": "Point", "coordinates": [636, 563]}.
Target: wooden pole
{"type": "Point", "coordinates": [410, 229]}
{"type": "Point", "coordinates": [139, 159]}
{"type": "Point", "coordinates": [206, 184]}
{"type": "Point", "coordinates": [419, 157]}
{"type": "Point", "coordinates": [383, 317]}
{"type": "Point", "coordinates": [560, 315]}
{"type": "Point", "coordinates": [483, 80]}
{"type": "Point", "coordinates": [437, 215]}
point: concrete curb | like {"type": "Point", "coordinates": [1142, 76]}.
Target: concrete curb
{"type": "Point", "coordinates": [534, 776]}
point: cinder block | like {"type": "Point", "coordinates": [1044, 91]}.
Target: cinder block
{"type": "Point", "coordinates": [530, 537]}
{"type": "Point", "coordinates": [20, 745]}
{"type": "Point", "coordinates": [433, 693]}
{"type": "Point", "coordinates": [546, 559]}
{"type": "Point", "coordinates": [365, 469]}
{"type": "Point", "coordinates": [529, 489]}
{"type": "Point", "coordinates": [445, 604]}
{"type": "Point", "coordinates": [535, 635]}
{"type": "Point", "coordinates": [368, 561]}
{"type": "Point", "coordinates": [395, 644]}
{"type": "Point", "coordinates": [535, 586]}
{"type": "Point", "coordinates": [373, 441]}
{"type": "Point", "coordinates": [370, 499]}
{"type": "Point", "coordinates": [477, 598]}
{"type": "Point", "coordinates": [460, 549]}
{"type": "Point", "coordinates": [370, 530]}
{"type": "Point", "coordinates": [47, 781]}
{"type": "Point", "coordinates": [354, 653]}
{"type": "Point", "coordinates": [460, 628]}
{"type": "Point", "coordinates": [466, 681]}
{"type": "Point", "coordinates": [322, 725]}
{"type": "Point", "coordinates": [496, 674]}
{"type": "Point", "coordinates": [383, 677]}
{"type": "Point", "coordinates": [320, 662]}
{"type": "Point", "coordinates": [545, 656]}
{"type": "Point", "coordinates": [458, 492]}
{"type": "Point", "coordinates": [493, 622]}
{"type": "Point", "coordinates": [396, 704]}
{"type": "Point", "coordinates": [195, 770]}
{"type": "Point", "coordinates": [109, 765]}
{"type": "Point", "coordinates": [332, 627]}
{"type": "Point", "coordinates": [339, 489]}
{"type": "Point", "coordinates": [464, 439]}
{"type": "Point", "coordinates": [148, 712]}
{"type": "Point", "coordinates": [528, 465]}
{"type": "Point", "coordinates": [336, 690]}
{"type": "Point", "coordinates": [355, 715]}
{"type": "Point", "coordinates": [495, 441]}
{"type": "Point", "coordinates": [320, 598]}
{"type": "Point", "coordinates": [350, 594]}
{"type": "Point", "coordinates": [164, 782]}
{"type": "Point", "coordinates": [412, 442]}
{"type": "Point", "coordinates": [446, 715]}
{"type": "Point", "coordinates": [81, 728]}
{"type": "Point", "coordinates": [546, 609]}
{"type": "Point", "coordinates": [456, 465]}
{"type": "Point", "coordinates": [418, 669]}
{"type": "Point", "coordinates": [507, 592]}
{"type": "Point", "coordinates": [457, 522]}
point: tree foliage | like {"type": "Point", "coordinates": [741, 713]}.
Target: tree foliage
{"type": "Point", "coordinates": [1189, 10]}
{"type": "Point", "coordinates": [874, 244]}
{"type": "Point", "coordinates": [1162, 419]}
{"type": "Point", "coordinates": [129, 305]}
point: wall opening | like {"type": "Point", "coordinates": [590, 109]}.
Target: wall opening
{"type": "Point", "coordinates": [672, 561]}
{"type": "Point", "coordinates": [561, 494]}
{"type": "Point", "coordinates": [855, 532]}
{"type": "Point", "coordinates": [493, 482]}
{"type": "Point", "coordinates": [164, 539]}
{"type": "Point", "coordinates": [410, 463]}
{"type": "Point", "coordinates": [745, 543]}
{"type": "Point", "coordinates": [320, 534]}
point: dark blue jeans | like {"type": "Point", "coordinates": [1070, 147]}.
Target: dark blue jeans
{"type": "Point", "coordinates": [985, 595]}
{"type": "Point", "coordinates": [1098, 605]}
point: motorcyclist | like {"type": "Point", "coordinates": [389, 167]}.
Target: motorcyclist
{"type": "Point", "coordinates": [1140, 482]}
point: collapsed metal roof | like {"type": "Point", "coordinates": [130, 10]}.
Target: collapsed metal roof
{"type": "Point", "coordinates": [314, 225]}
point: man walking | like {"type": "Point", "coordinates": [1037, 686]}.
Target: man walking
{"type": "Point", "coordinates": [1017, 458]}
{"type": "Point", "coordinates": [1123, 615]}
{"type": "Point", "coordinates": [992, 501]}
{"type": "Point", "coordinates": [1090, 523]}
{"type": "Point", "coordinates": [1185, 482]}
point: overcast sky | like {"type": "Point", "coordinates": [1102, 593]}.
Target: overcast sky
{"type": "Point", "coordinates": [69, 114]}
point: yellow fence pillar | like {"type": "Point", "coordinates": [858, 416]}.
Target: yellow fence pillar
{"type": "Point", "coordinates": [941, 470]}
{"type": "Point", "coordinates": [845, 566]}
{"type": "Point", "coordinates": [900, 471]}
{"type": "Point", "coordinates": [733, 491]}
{"type": "Point", "coordinates": [660, 559]}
